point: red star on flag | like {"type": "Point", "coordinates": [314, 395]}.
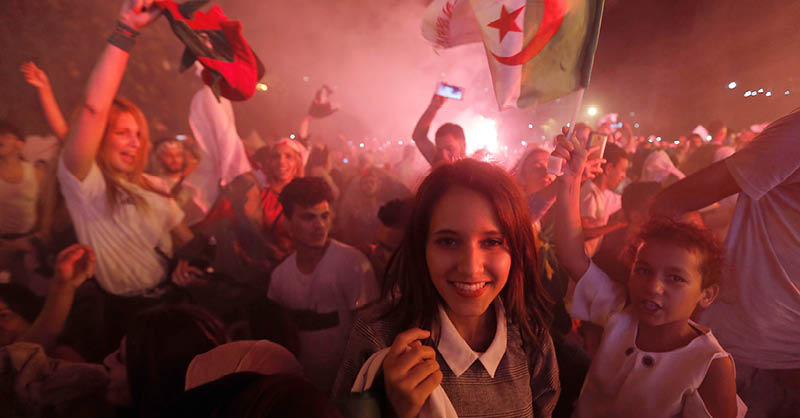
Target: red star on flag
{"type": "Point", "coordinates": [507, 22]}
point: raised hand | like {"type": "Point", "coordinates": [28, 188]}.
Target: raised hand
{"type": "Point", "coordinates": [437, 101]}
{"type": "Point", "coordinates": [74, 265]}
{"type": "Point", "coordinates": [34, 75]}
{"type": "Point", "coordinates": [410, 372]}
{"type": "Point", "coordinates": [575, 153]}
{"type": "Point", "coordinates": [138, 13]}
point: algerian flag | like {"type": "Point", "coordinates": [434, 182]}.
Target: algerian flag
{"type": "Point", "coordinates": [538, 50]}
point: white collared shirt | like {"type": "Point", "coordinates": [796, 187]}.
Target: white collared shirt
{"type": "Point", "coordinates": [458, 354]}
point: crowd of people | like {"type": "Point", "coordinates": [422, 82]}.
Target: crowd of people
{"type": "Point", "coordinates": [192, 276]}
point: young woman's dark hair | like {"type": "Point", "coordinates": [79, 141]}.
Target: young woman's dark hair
{"type": "Point", "coordinates": [408, 286]}
{"type": "Point", "coordinates": [160, 344]}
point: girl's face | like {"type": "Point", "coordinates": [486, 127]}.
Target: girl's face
{"type": "Point", "coordinates": [122, 145]}
{"type": "Point", "coordinates": [118, 392]}
{"type": "Point", "coordinates": [665, 285]}
{"type": "Point", "coordinates": [466, 254]}
{"type": "Point", "coordinates": [534, 172]}
{"type": "Point", "coordinates": [283, 163]}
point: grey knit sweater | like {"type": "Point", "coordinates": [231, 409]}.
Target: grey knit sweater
{"type": "Point", "coordinates": [520, 388]}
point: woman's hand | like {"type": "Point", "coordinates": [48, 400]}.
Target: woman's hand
{"type": "Point", "coordinates": [34, 75]}
{"type": "Point", "coordinates": [410, 372]}
{"type": "Point", "coordinates": [138, 13]}
{"type": "Point", "coordinates": [185, 275]}
{"type": "Point", "coordinates": [74, 265]}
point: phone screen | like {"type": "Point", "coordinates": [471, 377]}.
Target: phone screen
{"type": "Point", "coordinates": [597, 139]}
{"type": "Point", "coordinates": [451, 92]}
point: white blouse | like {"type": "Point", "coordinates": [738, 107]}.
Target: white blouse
{"type": "Point", "coordinates": [625, 381]}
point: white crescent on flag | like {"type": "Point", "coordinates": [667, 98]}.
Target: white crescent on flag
{"type": "Point", "coordinates": [537, 49]}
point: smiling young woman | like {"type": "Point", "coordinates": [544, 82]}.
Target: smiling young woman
{"type": "Point", "coordinates": [466, 309]}
{"type": "Point", "coordinates": [115, 207]}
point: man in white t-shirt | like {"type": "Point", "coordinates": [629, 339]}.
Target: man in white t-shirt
{"type": "Point", "coordinates": [323, 283]}
{"type": "Point", "coordinates": [757, 316]}
{"type": "Point", "coordinates": [599, 200]}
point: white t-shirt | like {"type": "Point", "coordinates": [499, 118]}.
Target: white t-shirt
{"type": "Point", "coordinates": [342, 282]}
{"type": "Point", "coordinates": [599, 205]}
{"type": "Point", "coordinates": [223, 156]}
{"type": "Point", "coordinates": [187, 197]}
{"type": "Point", "coordinates": [757, 316]}
{"type": "Point", "coordinates": [124, 239]}
{"type": "Point", "coordinates": [18, 210]}
{"type": "Point", "coordinates": [625, 381]}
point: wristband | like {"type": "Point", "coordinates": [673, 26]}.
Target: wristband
{"type": "Point", "coordinates": [121, 41]}
{"type": "Point", "coordinates": [127, 30]}
{"type": "Point", "coordinates": [123, 37]}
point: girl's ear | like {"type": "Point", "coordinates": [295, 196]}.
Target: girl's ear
{"type": "Point", "coordinates": [708, 295]}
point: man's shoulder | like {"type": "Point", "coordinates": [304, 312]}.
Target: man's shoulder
{"type": "Point", "coordinates": [343, 251]}
{"type": "Point", "coordinates": [589, 189]}
{"type": "Point", "coordinates": [288, 267]}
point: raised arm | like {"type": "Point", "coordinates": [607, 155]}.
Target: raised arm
{"type": "Point", "coordinates": [84, 137]}
{"type": "Point", "coordinates": [73, 266]}
{"type": "Point", "coordinates": [38, 78]}
{"type": "Point", "coordinates": [568, 230]}
{"type": "Point", "coordinates": [420, 135]}
{"type": "Point", "coordinates": [695, 192]}
{"type": "Point", "coordinates": [320, 107]}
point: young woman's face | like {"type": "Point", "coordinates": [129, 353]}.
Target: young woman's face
{"type": "Point", "coordinates": [122, 145]}
{"type": "Point", "coordinates": [534, 172]}
{"type": "Point", "coordinates": [665, 285]}
{"type": "Point", "coordinates": [283, 163]}
{"type": "Point", "coordinates": [466, 253]}
{"type": "Point", "coordinates": [118, 392]}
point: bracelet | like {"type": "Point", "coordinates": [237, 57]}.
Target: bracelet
{"type": "Point", "coordinates": [123, 37]}
{"type": "Point", "coordinates": [122, 27]}
{"type": "Point", "coordinates": [121, 41]}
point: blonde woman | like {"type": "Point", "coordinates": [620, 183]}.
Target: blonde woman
{"type": "Point", "coordinates": [115, 207]}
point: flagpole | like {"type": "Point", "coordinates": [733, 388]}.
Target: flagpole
{"type": "Point", "coordinates": [578, 104]}
{"type": "Point", "coordinates": [554, 163]}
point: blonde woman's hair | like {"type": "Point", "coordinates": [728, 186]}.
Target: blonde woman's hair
{"type": "Point", "coordinates": [114, 188]}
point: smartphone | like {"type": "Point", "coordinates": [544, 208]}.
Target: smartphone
{"type": "Point", "coordinates": [451, 92]}
{"type": "Point", "coordinates": [597, 139]}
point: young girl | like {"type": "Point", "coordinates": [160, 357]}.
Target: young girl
{"type": "Point", "coordinates": [653, 360]}
{"type": "Point", "coordinates": [466, 313]}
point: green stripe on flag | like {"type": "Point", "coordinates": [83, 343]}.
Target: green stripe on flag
{"type": "Point", "coordinates": [565, 63]}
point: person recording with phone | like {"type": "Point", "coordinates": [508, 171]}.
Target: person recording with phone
{"type": "Point", "coordinates": [449, 144]}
